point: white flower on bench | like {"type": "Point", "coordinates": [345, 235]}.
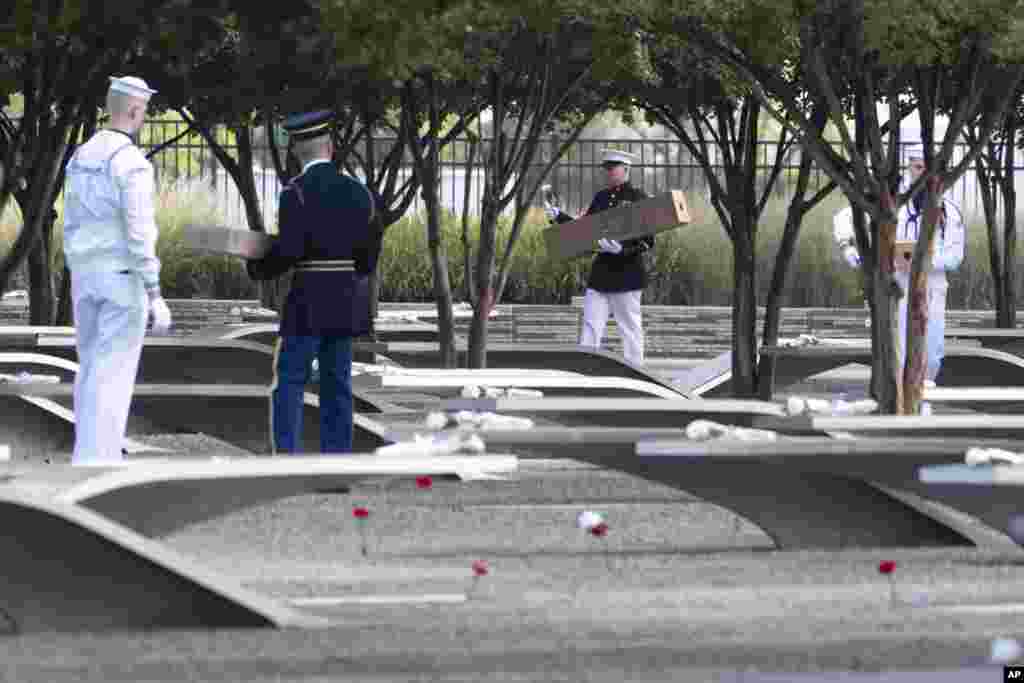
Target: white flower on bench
{"type": "Point", "coordinates": [476, 420]}
{"type": "Point", "coordinates": [474, 391]}
{"type": "Point", "coordinates": [28, 378]}
{"type": "Point", "coordinates": [450, 443]}
{"type": "Point", "coordinates": [706, 430]}
{"type": "Point", "coordinates": [992, 456]}
{"type": "Point", "coordinates": [796, 405]}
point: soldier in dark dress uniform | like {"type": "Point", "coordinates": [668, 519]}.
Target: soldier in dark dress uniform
{"type": "Point", "coordinates": [325, 234]}
{"type": "Point", "coordinates": [618, 275]}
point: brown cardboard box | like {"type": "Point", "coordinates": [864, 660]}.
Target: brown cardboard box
{"type": "Point", "coordinates": [232, 241]}
{"type": "Point", "coordinates": [665, 211]}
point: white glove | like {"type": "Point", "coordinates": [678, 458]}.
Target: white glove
{"type": "Point", "coordinates": [552, 212]}
{"type": "Point", "coordinates": [609, 246]}
{"type": "Point", "coordinates": [852, 256]}
{"type": "Point", "coordinates": [161, 315]}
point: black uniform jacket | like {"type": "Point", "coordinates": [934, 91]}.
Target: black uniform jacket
{"type": "Point", "coordinates": [326, 233]}
{"type": "Point", "coordinates": [625, 271]}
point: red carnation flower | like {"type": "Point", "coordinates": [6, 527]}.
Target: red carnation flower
{"type": "Point", "coordinates": [886, 567]}
{"type": "Point", "coordinates": [599, 530]}
{"type": "Point", "coordinates": [424, 482]}
{"type": "Point", "coordinates": [480, 568]}
{"type": "Point", "coordinates": [360, 513]}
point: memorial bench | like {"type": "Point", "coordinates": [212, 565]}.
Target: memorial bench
{"type": "Point", "coordinates": [977, 426]}
{"type": "Point", "coordinates": [981, 399]}
{"type": "Point", "coordinates": [166, 360]}
{"type": "Point", "coordinates": [824, 492]}
{"type": "Point", "coordinates": [622, 412]}
{"type": "Point", "coordinates": [237, 414]}
{"type": "Point", "coordinates": [802, 492]}
{"type": "Point", "coordinates": [573, 358]}
{"type": "Point", "coordinates": [266, 333]}
{"type": "Point", "coordinates": [75, 557]}
{"type": "Point", "coordinates": [445, 384]}
{"type": "Point", "coordinates": [968, 366]}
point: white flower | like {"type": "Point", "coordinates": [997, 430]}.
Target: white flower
{"type": "Point", "coordinates": [992, 456]}
{"type": "Point", "coordinates": [795, 405]}
{"type": "Point", "coordinates": [437, 421]}
{"type": "Point", "coordinates": [471, 391]}
{"type": "Point", "coordinates": [587, 520]}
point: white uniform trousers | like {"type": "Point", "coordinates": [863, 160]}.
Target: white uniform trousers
{"type": "Point", "coordinates": [935, 342]}
{"type": "Point", "coordinates": [625, 306]}
{"type": "Point", "coordinates": [110, 323]}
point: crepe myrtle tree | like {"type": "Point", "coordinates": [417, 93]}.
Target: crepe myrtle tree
{"type": "Point", "coordinates": [995, 173]}
{"type": "Point", "coordinates": [254, 58]}
{"type": "Point", "coordinates": [58, 56]}
{"type": "Point", "coordinates": [539, 80]}
{"type": "Point", "coordinates": [861, 52]}
{"type": "Point", "coordinates": [716, 116]}
{"type": "Point", "coordinates": [417, 49]}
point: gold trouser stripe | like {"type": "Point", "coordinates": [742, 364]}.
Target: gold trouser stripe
{"type": "Point", "coordinates": [270, 398]}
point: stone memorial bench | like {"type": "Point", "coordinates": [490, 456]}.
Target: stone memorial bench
{"type": "Point", "coordinates": [954, 426]}
{"type": "Point", "coordinates": [981, 399]}
{"type": "Point", "coordinates": [830, 493]}
{"type": "Point", "coordinates": [802, 492]}
{"type": "Point", "coordinates": [970, 366]}
{"type": "Point", "coordinates": [77, 557]}
{"type": "Point", "coordinates": [573, 358]}
{"type": "Point", "coordinates": [622, 412]}
{"type": "Point", "coordinates": [235, 413]}
{"type": "Point", "coordinates": [171, 360]}
{"type": "Point", "coordinates": [266, 333]}
{"type": "Point", "coordinates": [447, 385]}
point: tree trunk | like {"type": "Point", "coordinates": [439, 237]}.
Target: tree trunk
{"type": "Point", "coordinates": [916, 364]}
{"type": "Point", "coordinates": [787, 246]}
{"type": "Point", "coordinates": [484, 278]}
{"type": "Point", "coordinates": [886, 293]}
{"type": "Point", "coordinates": [986, 178]}
{"type": "Point", "coordinates": [442, 282]}
{"type": "Point", "coordinates": [65, 315]}
{"type": "Point", "coordinates": [744, 320]}
{"type": "Point", "coordinates": [1006, 305]}
{"type": "Point", "coordinates": [41, 300]}
{"type": "Point", "coordinates": [46, 168]}
{"type": "Point", "coordinates": [374, 281]}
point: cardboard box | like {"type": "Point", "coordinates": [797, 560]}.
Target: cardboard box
{"type": "Point", "coordinates": [232, 241]}
{"type": "Point", "coordinates": [665, 211]}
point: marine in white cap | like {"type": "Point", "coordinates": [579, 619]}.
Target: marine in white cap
{"type": "Point", "coordinates": [618, 275]}
{"type": "Point", "coordinates": [947, 255]}
{"type": "Point", "coordinates": [110, 238]}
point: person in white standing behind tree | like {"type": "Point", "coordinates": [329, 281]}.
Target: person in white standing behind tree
{"type": "Point", "coordinates": [947, 256]}
{"type": "Point", "coordinates": [110, 238]}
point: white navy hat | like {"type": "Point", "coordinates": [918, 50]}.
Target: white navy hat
{"type": "Point", "coordinates": [131, 85]}
{"type": "Point", "coordinates": [617, 156]}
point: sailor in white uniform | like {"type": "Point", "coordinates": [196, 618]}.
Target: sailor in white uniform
{"type": "Point", "coordinates": [947, 256]}
{"type": "Point", "coordinates": [110, 238]}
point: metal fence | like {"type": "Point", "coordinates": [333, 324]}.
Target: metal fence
{"type": "Point", "coordinates": [663, 165]}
